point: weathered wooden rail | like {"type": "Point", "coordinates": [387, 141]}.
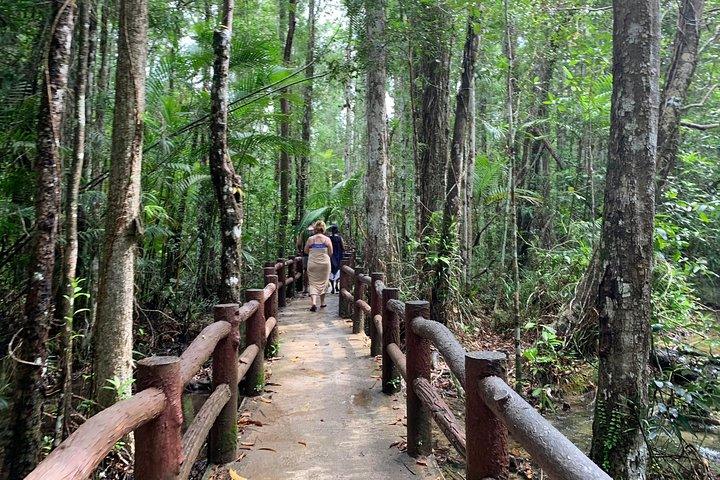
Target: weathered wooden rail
{"type": "Point", "coordinates": [492, 409]}
{"type": "Point", "coordinates": [154, 413]}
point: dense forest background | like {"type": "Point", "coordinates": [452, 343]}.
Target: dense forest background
{"type": "Point", "coordinates": [490, 154]}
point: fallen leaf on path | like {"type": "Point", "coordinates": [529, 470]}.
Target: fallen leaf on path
{"type": "Point", "coordinates": [266, 400]}
{"type": "Point", "coordinates": [302, 443]}
{"type": "Point", "coordinates": [234, 475]}
{"type": "Point", "coordinates": [247, 444]}
{"type": "Point", "coordinates": [268, 449]}
{"type": "Point", "coordinates": [421, 462]}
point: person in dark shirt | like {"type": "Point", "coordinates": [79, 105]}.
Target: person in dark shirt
{"type": "Point", "coordinates": [336, 258]}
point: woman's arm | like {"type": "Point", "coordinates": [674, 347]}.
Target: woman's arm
{"type": "Point", "coordinates": [307, 246]}
{"type": "Point", "coordinates": [328, 244]}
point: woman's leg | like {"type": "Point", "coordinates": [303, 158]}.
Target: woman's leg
{"type": "Point", "coordinates": [322, 300]}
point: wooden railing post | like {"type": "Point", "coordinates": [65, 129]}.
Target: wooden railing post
{"type": "Point", "coordinates": [375, 309]}
{"type": "Point", "coordinates": [344, 308]}
{"type": "Point", "coordinates": [158, 443]}
{"type": "Point", "coordinates": [418, 366]}
{"type": "Point", "coordinates": [391, 334]}
{"type": "Point", "coordinates": [271, 310]}
{"type": "Point", "coordinates": [487, 453]}
{"type": "Point", "coordinates": [281, 278]}
{"type": "Point", "coordinates": [290, 292]}
{"type": "Point", "coordinates": [222, 442]}
{"type": "Point", "coordinates": [358, 316]}
{"type": "Point", "coordinates": [299, 285]}
{"type": "Point", "coordinates": [254, 381]}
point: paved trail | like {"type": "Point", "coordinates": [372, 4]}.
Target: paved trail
{"type": "Point", "coordinates": [324, 415]}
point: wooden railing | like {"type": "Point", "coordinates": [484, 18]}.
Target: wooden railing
{"type": "Point", "coordinates": [154, 413]}
{"type": "Point", "coordinates": [492, 408]}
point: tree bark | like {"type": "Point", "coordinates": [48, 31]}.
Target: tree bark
{"type": "Point", "coordinates": [349, 121]}
{"type": "Point", "coordinates": [450, 241]}
{"type": "Point", "coordinates": [113, 328]}
{"type": "Point", "coordinates": [227, 184]}
{"type": "Point", "coordinates": [304, 161]}
{"type": "Point", "coordinates": [433, 25]}
{"type": "Point", "coordinates": [71, 216]}
{"type": "Point", "coordinates": [378, 249]}
{"type": "Point", "coordinates": [284, 166]}
{"type": "Point", "coordinates": [682, 68]}
{"type": "Point", "coordinates": [24, 436]}
{"type": "Point", "coordinates": [626, 246]}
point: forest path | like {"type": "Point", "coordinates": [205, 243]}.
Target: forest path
{"type": "Point", "coordinates": [323, 413]}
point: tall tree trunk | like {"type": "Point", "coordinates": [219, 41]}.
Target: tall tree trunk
{"type": "Point", "coordinates": [682, 68]}
{"type": "Point", "coordinates": [96, 161]}
{"type": "Point", "coordinates": [70, 260]}
{"type": "Point", "coordinates": [510, 150]}
{"type": "Point", "coordinates": [113, 328]}
{"type": "Point", "coordinates": [626, 246]}
{"type": "Point", "coordinates": [24, 437]}
{"type": "Point", "coordinates": [580, 313]}
{"type": "Point", "coordinates": [227, 184]}
{"type": "Point", "coordinates": [467, 190]}
{"type": "Point", "coordinates": [378, 249]}
{"type": "Point", "coordinates": [432, 24]}
{"type": "Point", "coordinates": [450, 240]}
{"type": "Point", "coordinates": [284, 165]}
{"type": "Point", "coordinates": [349, 120]}
{"type": "Point", "coordinates": [303, 163]}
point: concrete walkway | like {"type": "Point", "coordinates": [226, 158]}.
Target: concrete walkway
{"type": "Point", "coordinates": [323, 415]}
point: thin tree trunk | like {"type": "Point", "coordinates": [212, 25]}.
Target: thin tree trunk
{"type": "Point", "coordinates": [285, 133]}
{"type": "Point", "coordinates": [378, 249]}
{"type": "Point", "coordinates": [227, 184]}
{"type": "Point", "coordinates": [626, 246]}
{"type": "Point", "coordinates": [467, 192]}
{"type": "Point", "coordinates": [24, 434]}
{"type": "Point", "coordinates": [303, 164]}
{"type": "Point", "coordinates": [682, 68]}
{"type": "Point", "coordinates": [113, 329]}
{"type": "Point", "coordinates": [348, 107]}
{"type": "Point", "coordinates": [67, 312]}
{"type": "Point", "coordinates": [511, 154]}
{"type": "Point", "coordinates": [96, 163]}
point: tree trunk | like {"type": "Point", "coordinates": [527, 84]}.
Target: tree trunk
{"type": "Point", "coordinates": [677, 83]}
{"type": "Point", "coordinates": [433, 26]}
{"type": "Point", "coordinates": [467, 190]}
{"type": "Point", "coordinates": [227, 184]}
{"type": "Point", "coordinates": [349, 120]}
{"type": "Point", "coordinates": [511, 81]}
{"type": "Point", "coordinates": [97, 163]}
{"type": "Point", "coordinates": [626, 245]}
{"type": "Point", "coordinates": [24, 436]}
{"type": "Point", "coordinates": [446, 273]}
{"type": "Point", "coordinates": [303, 164]}
{"type": "Point", "coordinates": [71, 217]}
{"type": "Point", "coordinates": [580, 312]}
{"type": "Point", "coordinates": [378, 249]}
{"type": "Point", "coordinates": [113, 328]}
{"type": "Point", "coordinates": [284, 166]}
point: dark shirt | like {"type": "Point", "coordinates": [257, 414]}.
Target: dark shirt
{"type": "Point", "coordinates": [337, 243]}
